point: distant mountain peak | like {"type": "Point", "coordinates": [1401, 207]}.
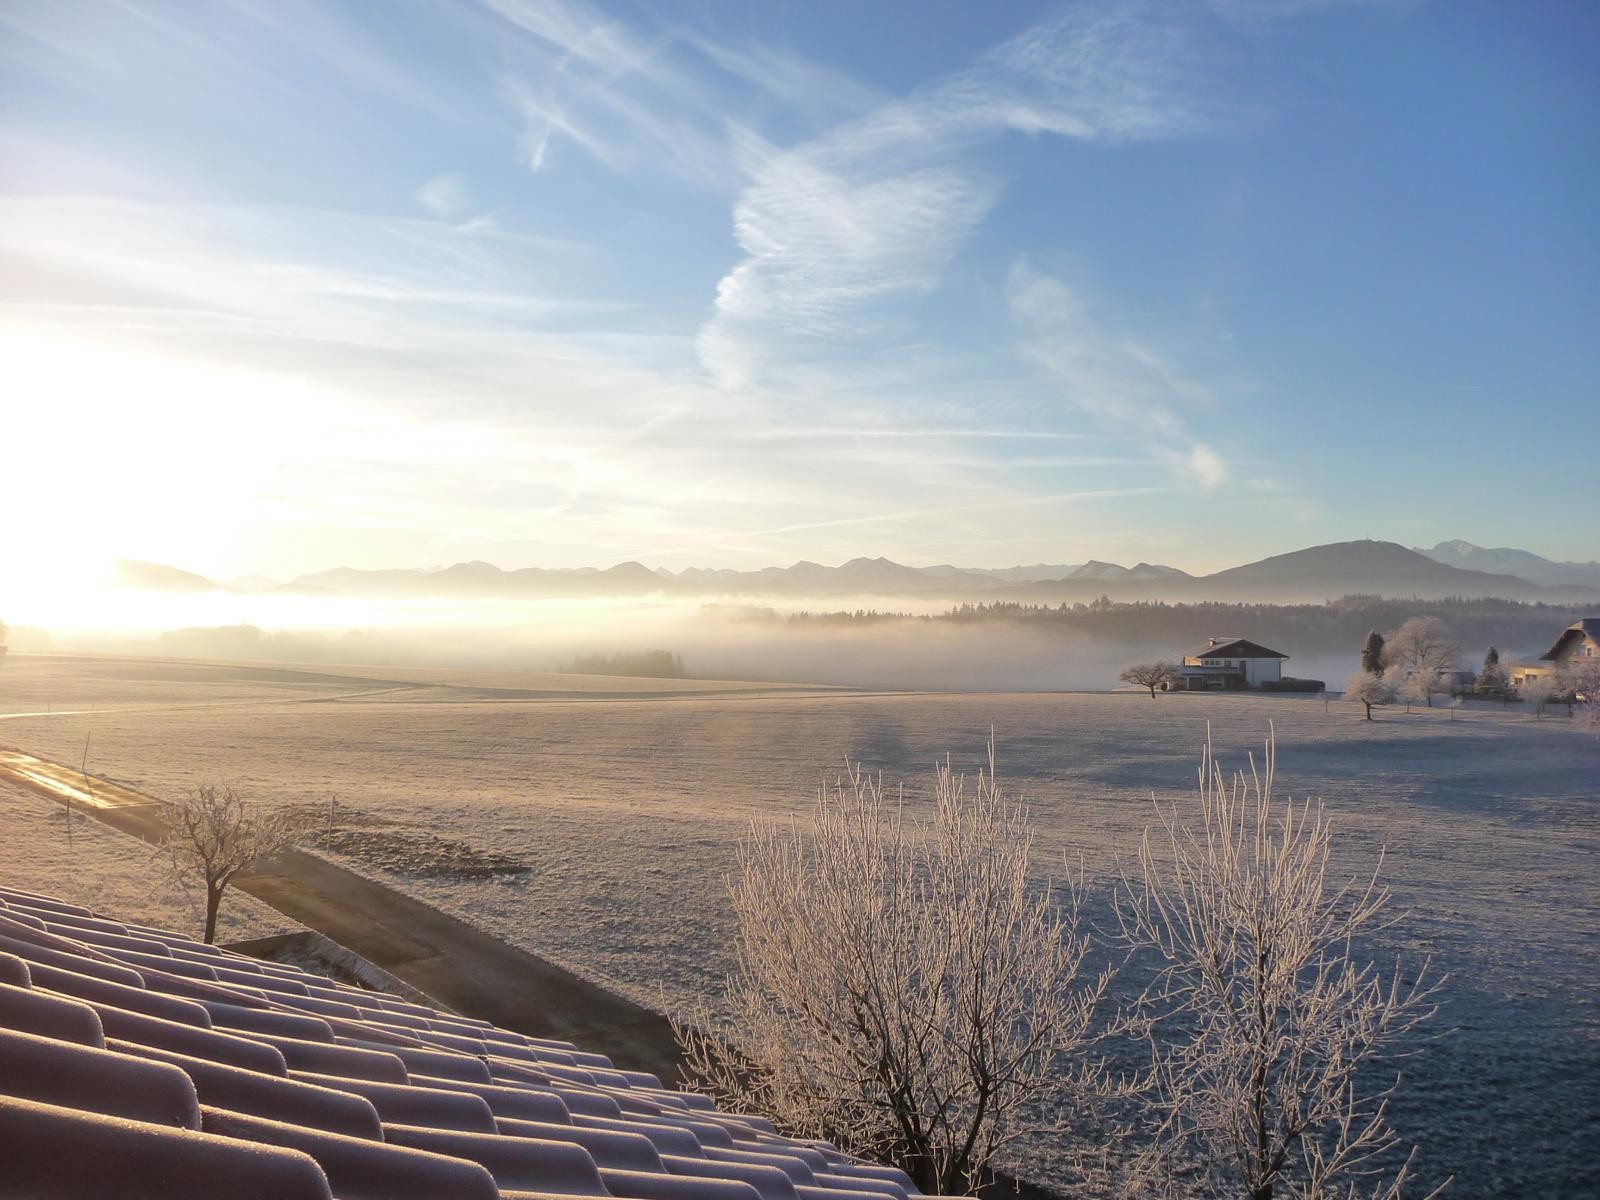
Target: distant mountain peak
{"type": "Point", "coordinates": [158, 577]}
{"type": "Point", "coordinates": [1524, 564]}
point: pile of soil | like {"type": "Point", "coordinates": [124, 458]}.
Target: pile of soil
{"type": "Point", "coordinates": [376, 842]}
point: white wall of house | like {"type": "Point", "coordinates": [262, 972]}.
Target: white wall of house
{"type": "Point", "coordinates": [1262, 670]}
{"type": "Point", "coordinates": [1256, 670]}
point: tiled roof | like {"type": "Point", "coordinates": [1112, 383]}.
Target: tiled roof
{"type": "Point", "coordinates": [1232, 648]}
{"type": "Point", "coordinates": [136, 1063]}
{"type": "Point", "coordinates": [1587, 627]}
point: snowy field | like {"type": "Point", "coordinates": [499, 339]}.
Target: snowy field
{"type": "Point", "coordinates": [626, 800]}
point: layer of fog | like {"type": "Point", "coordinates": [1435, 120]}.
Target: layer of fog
{"type": "Point", "coordinates": [715, 640]}
{"type": "Point", "coordinates": [1011, 649]}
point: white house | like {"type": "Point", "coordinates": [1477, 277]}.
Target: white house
{"type": "Point", "coordinates": [1226, 663]}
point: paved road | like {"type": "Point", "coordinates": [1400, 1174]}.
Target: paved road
{"type": "Point", "coordinates": [467, 969]}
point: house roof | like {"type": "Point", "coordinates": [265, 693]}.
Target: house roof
{"type": "Point", "coordinates": [1232, 648]}
{"type": "Point", "coordinates": [136, 1062]}
{"type": "Point", "coordinates": [1587, 627]}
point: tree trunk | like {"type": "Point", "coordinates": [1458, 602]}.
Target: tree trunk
{"type": "Point", "coordinates": [1369, 711]}
{"type": "Point", "coordinates": [923, 1172]}
{"type": "Point", "coordinates": [1152, 691]}
{"type": "Point", "coordinates": [213, 902]}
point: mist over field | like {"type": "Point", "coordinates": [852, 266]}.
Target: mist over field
{"type": "Point", "coordinates": [715, 642]}
{"type": "Point", "coordinates": [871, 641]}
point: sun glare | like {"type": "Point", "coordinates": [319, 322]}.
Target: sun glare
{"type": "Point", "coordinates": [119, 453]}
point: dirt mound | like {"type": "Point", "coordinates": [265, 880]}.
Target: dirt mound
{"type": "Point", "coordinates": [375, 841]}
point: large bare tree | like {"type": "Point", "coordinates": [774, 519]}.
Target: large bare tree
{"type": "Point", "coordinates": [901, 986]}
{"type": "Point", "coordinates": [213, 833]}
{"type": "Point", "coordinates": [1150, 675]}
{"type": "Point", "coordinates": [1421, 649]}
{"type": "Point", "coordinates": [1268, 1034]}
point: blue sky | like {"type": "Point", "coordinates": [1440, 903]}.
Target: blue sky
{"type": "Point", "coordinates": [288, 285]}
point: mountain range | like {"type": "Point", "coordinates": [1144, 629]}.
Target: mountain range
{"type": "Point", "coordinates": [1311, 575]}
{"type": "Point", "coordinates": [1502, 560]}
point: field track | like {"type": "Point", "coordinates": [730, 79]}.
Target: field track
{"type": "Point", "coordinates": [467, 969]}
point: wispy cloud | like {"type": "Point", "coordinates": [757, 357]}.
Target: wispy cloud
{"type": "Point", "coordinates": [288, 272]}
{"type": "Point", "coordinates": [445, 196]}
{"type": "Point", "coordinates": [658, 102]}
{"type": "Point", "coordinates": [267, 46]}
{"type": "Point", "coordinates": [875, 209]}
{"type": "Point", "coordinates": [948, 510]}
{"type": "Point", "coordinates": [1122, 383]}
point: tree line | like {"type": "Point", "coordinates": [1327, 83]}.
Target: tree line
{"type": "Point", "coordinates": [1300, 629]}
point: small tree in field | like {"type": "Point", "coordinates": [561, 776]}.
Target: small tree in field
{"type": "Point", "coordinates": [1370, 690]}
{"type": "Point", "coordinates": [900, 988]}
{"type": "Point", "coordinates": [1582, 683]}
{"type": "Point", "coordinates": [1265, 1029]}
{"type": "Point", "coordinates": [1372, 654]}
{"type": "Point", "coordinates": [1150, 675]}
{"type": "Point", "coordinates": [212, 834]}
{"type": "Point", "coordinates": [1413, 687]}
{"type": "Point", "coordinates": [1538, 692]}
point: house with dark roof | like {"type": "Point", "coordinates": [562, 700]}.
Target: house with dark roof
{"type": "Point", "coordinates": [1229, 664]}
{"type": "Point", "coordinates": [1578, 642]}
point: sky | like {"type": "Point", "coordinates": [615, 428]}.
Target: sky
{"type": "Point", "coordinates": [289, 285]}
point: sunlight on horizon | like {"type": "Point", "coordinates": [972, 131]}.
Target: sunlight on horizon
{"type": "Point", "coordinates": [128, 454]}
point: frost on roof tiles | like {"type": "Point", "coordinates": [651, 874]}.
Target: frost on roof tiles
{"type": "Point", "coordinates": [68, 1153]}
{"type": "Point", "coordinates": [136, 1063]}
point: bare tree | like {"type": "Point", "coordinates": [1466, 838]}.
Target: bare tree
{"type": "Point", "coordinates": [1267, 1034]}
{"type": "Point", "coordinates": [212, 834]}
{"type": "Point", "coordinates": [1423, 648]}
{"type": "Point", "coordinates": [1371, 690]}
{"type": "Point", "coordinates": [900, 987]}
{"type": "Point", "coordinates": [1415, 686]}
{"type": "Point", "coordinates": [1150, 675]}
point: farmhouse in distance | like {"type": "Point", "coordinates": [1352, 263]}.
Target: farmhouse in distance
{"type": "Point", "coordinates": [1228, 664]}
{"type": "Point", "coordinates": [1579, 640]}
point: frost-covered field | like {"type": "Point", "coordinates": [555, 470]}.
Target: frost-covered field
{"type": "Point", "coordinates": [628, 809]}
